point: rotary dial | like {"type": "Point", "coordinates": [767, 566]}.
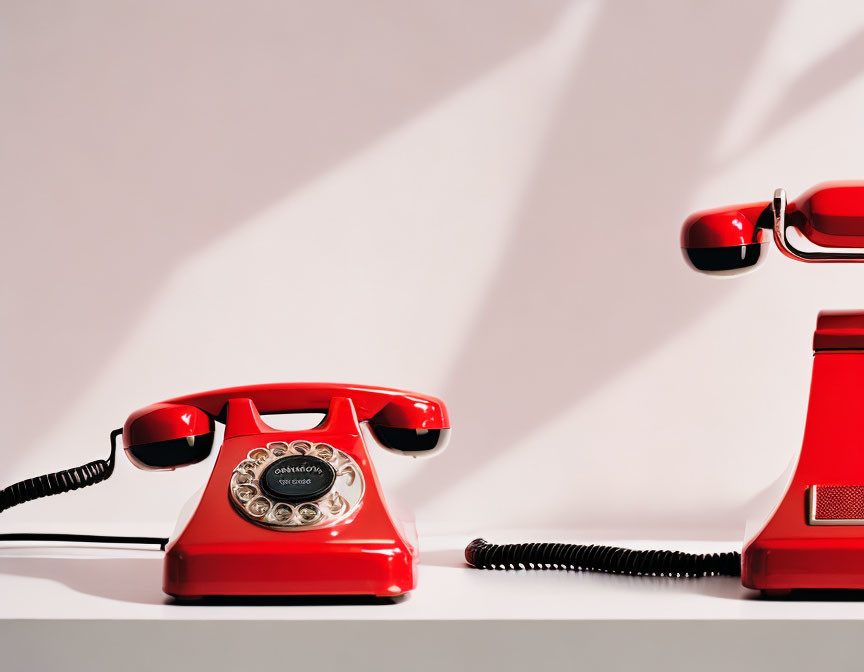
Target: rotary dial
{"type": "Point", "coordinates": [296, 486]}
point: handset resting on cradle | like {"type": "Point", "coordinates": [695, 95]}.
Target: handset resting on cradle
{"type": "Point", "coordinates": [284, 512]}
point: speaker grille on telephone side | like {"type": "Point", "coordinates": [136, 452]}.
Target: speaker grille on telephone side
{"type": "Point", "coordinates": [837, 505]}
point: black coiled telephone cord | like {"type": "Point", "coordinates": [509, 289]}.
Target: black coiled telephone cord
{"type": "Point", "coordinates": [610, 559]}
{"type": "Point", "coordinates": [57, 483]}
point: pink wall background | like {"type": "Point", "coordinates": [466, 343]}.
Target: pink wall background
{"type": "Point", "coordinates": [475, 200]}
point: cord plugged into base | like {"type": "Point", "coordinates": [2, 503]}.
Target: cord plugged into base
{"type": "Point", "coordinates": [59, 482]}
{"type": "Point", "coordinates": [610, 559]}
{"type": "Point", "coordinates": [161, 542]}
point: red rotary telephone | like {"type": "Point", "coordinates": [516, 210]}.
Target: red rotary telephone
{"type": "Point", "coordinates": [815, 536]}
{"type": "Point", "coordinates": [284, 512]}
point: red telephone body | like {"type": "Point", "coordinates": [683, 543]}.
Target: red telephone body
{"type": "Point", "coordinates": [814, 539]}
{"type": "Point", "coordinates": [317, 524]}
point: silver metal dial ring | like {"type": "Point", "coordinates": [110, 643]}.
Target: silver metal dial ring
{"type": "Point", "coordinates": [258, 505]}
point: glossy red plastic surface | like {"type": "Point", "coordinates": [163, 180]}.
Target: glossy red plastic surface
{"type": "Point", "coordinates": [830, 214]}
{"type": "Point", "coordinates": [839, 330]}
{"type": "Point", "coordinates": [163, 422]}
{"type": "Point", "coordinates": [789, 553]}
{"type": "Point", "coordinates": [394, 408]}
{"type": "Point", "coordinates": [187, 416]}
{"type": "Point", "coordinates": [725, 227]}
{"type": "Point", "coordinates": [220, 552]}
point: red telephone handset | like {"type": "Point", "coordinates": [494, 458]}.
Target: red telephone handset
{"type": "Point", "coordinates": [284, 512]}
{"type": "Point", "coordinates": [179, 431]}
{"type": "Point", "coordinates": [825, 224]}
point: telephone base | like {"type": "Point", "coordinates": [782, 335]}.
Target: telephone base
{"type": "Point", "coordinates": [230, 548]}
{"type": "Point", "coordinates": [777, 593]}
{"type": "Point", "coordinates": [288, 568]}
{"type": "Point", "coordinates": [814, 563]}
{"type": "Point", "coordinates": [814, 539]}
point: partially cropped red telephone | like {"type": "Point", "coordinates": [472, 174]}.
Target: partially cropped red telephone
{"type": "Point", "coordinates": [815, 536]}
{"type": "Point", "coordinates": [284, 512]}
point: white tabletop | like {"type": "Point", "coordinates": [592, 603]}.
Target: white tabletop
{"type": "Point", "coordinates": [93, 608]}
{"type": "Point", "coordinates": [50, 582]}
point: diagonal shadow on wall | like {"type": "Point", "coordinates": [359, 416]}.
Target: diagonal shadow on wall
{"type": "Point", "coordinates": [134, 134]}
{"type": "Point", "coordinates": [631, 144]}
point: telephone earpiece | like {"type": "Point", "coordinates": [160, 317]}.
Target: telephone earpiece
{"type": "Point", "coordinates": [410, 441]}
{"type": "Point", "coordinates": [167, 436]}
{"type": "Point", "coordinates": [411, 425]}
{"type": "Point", "coordinates": [727, 241]}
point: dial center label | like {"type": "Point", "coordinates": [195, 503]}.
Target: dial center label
{"type": "Point", "coordinates": [298, 478]}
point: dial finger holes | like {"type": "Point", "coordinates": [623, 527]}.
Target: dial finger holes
{"type": "Point", "coordinates": [282, 514]}
{"type": "Point", "coordinates": [301, 447]}
{"type": "Point", "coordinates": [337, 504]}
{"type": "Point", "coordinates": [262, 502]}
{"type": "Point", "coordinates": [258, 506]}
{"type": "Point", "coordinates": [241, 478]}
{"type": "Point", "coordinates": [246, 465]}
{"type": "Point", "coordinates": [308, 514]}
{"type": "Point", "coordinates": [259, 455]}
{"type": "Point", "coordinates": [278, 448]}
{"type": "Point", "coordinates": [348, 474]}
{"type": "Point", "coordinates": [244, 493]}
{"type": "Point", "coordinates": [324, 451]}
